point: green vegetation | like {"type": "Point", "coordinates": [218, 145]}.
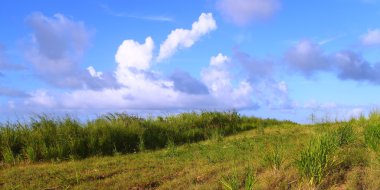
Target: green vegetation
{"type": "Point", "coordinates": [316, 160]}
{"type": "Point", "coordinates": [58, 139]}
{"type": "Point", "coordinates": [209, 150]}
{"type": "Point", "coordinates": [372, 136]}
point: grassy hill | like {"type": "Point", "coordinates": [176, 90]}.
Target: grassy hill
{"type": "Point", "coordinates": [208, 150]}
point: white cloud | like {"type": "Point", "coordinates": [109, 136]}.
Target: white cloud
{"type": "Point", "coordinates": [371, 38]}
{"type": "Point", "coordinates": [94, 73]}
{"type": "Point", "coordinates": [242, 12]}
{"type": "Point", "coordinates": [131, 54]}
{"type": "Point", "coordinates": [183, 38]}
{"type": "Point", "coordinates": [132, 58]}
{"type": "Point", "coordinates": [216, 76]}
{"type": "Point", "coordinates": [219, 82]}
{"type": "Point", "coordinates": [41, 98]}
{"type": "Point", "coordinates": [142, 88]}
{"type": "Point", "coordinates": [142, 92]}
{"type": "Point", "coordinates": [219, 60]}
{"type": "Point", "coordinates": [134, 61]}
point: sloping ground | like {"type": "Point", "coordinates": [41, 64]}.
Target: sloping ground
{"type": "Point", "coordinates": [270, 158]}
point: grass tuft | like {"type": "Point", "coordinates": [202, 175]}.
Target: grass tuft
{"type": "Point", "coordinates": [316, 160]}
{"type": "Point", "coordinates": [372, 136]}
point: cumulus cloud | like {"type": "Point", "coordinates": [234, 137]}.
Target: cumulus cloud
{"type": "Point", "coordinates": [94, 73]}
{"type": "Point", "coordinates": [218, 79]}
{"type": "Point", "coordinates": [307, 58]}
{"type": "Point", "coordinates": [57, 46]}
{"type": "Point", "coordinates": [148, 90]}
{"type": "Point", "coordinates": [132, 55]}
{"type": "Point", "coordinates": [133, 70]}
{"type": "Point", "coordinates": [140, 87]}
{"type": "Point", "coordinates": [41, 98]}
{"type": "Point", "coordinates": [242, 12]}
{"type": "Point", "coordinates": [216, 76]}
{"type": "Point", "coordinates": [183, 38]}
{"type": "Point", "coordinates": [371, 38]}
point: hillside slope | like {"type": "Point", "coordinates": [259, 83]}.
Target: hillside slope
{"type": "Point", "coordinates": [323, 156]}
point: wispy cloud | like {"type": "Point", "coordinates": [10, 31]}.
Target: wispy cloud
{"type": "Point", "coordinates": [329, 40]}
{"type": "Point", "coordinates": [153, 18]}
{"type": "Point", "coordinates": [158, 18]}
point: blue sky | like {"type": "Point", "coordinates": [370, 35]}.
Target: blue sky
{"type": "Point", "coordinates": [268, 58]}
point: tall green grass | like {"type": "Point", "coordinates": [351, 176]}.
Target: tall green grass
{"type": "Point", "coordinates": [316, 160]}
{"type": "Point", "coordinates": [372, 136]}
{"type": "Point", "coordinates": [48, 138]}
{"type": "Point", "coordinates": [372, 131]}
{"type": "Point", "coordinates": [344, 135]}
{"type": "Point", "coordinates": [233, 182]}
{"type": "Point", "coordinates": [274, 157]}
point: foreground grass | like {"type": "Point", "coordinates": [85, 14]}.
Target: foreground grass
{"type": "Point", "coordinates": [339, 156]}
